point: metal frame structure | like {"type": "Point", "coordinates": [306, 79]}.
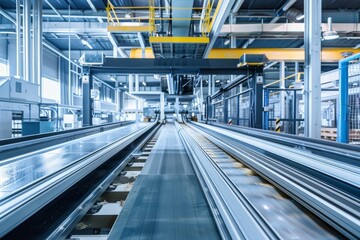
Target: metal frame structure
{"type": "Point", "coordinates": [343, 112]}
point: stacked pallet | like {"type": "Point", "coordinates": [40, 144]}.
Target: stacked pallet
{"type": "Point", "coordinates": [331, 134]}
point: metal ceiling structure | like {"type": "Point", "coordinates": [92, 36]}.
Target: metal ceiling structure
{"type": "Point", "coordinates": [249, 23]}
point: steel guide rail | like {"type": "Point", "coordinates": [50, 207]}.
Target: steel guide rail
{"type": "Point", "coordinates": [327, 187]}
{"type": "Point", "coordinates": [15, 146]}
{"type": "Point", "coordinates": [343, 153]}
{"type": "Point", "coordinates": [66, 226]}
{"type": "Point", "coordinates": [241, 219]}
{"type": "Point", "coordinates": [23, 203]}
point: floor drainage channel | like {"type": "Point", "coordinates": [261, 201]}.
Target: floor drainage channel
{"type": "Point", "coordinates": [98, 221]}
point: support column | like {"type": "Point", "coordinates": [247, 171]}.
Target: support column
{"type": "Point", "coordinates": [201, 99]}
{"type": "Point", "coordinates": [18, 40]}
{"type": "Point", "coordinates": [137, 111]}
{"type": "Point", "coordinates": [258, 101]}
{"type": "Point", "coordinates": [131, 83]}
{"type": "Point", "coordinates": [136, 83]}
{"type": "Point", "coordinates": [87, 80]}
{"type": "Point", "coordinates": [282, 93]}
{"type": "Point", "coordinates": [213, 85]}
{"type": "Point", "coordinates": [312, 39]}
{"type": "Point", "coordinates": [37, 39]}
{"type": "Point", "coordinates": [27, 41]}
{"type": "Point", "coordinates": [162, 107]}
{"type": "Point", "coordinates": [177, 108]}
{"type": "Point", "coordinates": [209, 85]}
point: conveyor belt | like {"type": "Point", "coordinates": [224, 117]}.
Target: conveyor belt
{"type": "Point", "coordinates": [30, 181]}
{"type": "Point", "coordinates": [326, 186]}
{"type": "Point", "coordinates": [166, 201]}
{"type": "Point", "coordinates": [19, 172]}
{"type": "Point", "coordinates": [287, 219]}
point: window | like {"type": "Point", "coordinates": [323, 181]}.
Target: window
{"type": "Point", "coordinates": [50, 89]}
{"type": "Point", "coordinates": [4, 68]}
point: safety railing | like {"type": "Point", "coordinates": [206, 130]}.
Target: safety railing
{"type": "Point", "coordinates": [125, 16]}
{"type": "Point", "coordinates": [282, 108]}
{"type": "Point", "coordinates": [348, 115]}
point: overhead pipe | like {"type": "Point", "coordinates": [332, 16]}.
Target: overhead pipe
{"type": "Point", "coordinates": [55, 10]}
{"type": "Point", "coordinates": [278, 14]}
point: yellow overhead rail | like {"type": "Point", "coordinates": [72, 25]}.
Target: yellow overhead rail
{"type": "Point", "coordinates": [273, 54]}
{"type": "Point", "coordinates": [121, 19]}
{"type": "Point", "coordinates": [295, 77]}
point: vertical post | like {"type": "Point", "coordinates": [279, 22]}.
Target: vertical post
{"type": "Point", "coordinates": [238, 110]}
{"type": "Point", "coordinates": [18, 39]}
{"type": "Point", "coordinates": [282, 93]}
{"type": "Point", "coordinates": [226, 111]}
{"type": "Point", "coordinates": [27, 41]}
{"type": "Point", "coordinates": [201, 98]}
{"type": "Point", "coordinates": [137, 111]}
{"type": "Point", "coordinates": [342, 118]}
{"type": "Point", "coordinates": [37, 50]}
{"type": "Point", "coordinates": [294, 113]}
{"type": "Point", "coordinates": [162, 107]}
{"type": "Point", "coordinates": [312, 39]}
{"type": "Point", "coordinates": [209, 85]}
{"type": "Point", "coordinates": [137, 83]}
{"type": "Point", "coordinates": [213, 85]}
{"type": "Point", "coordinates": [131, 83]}
{"type": "Point", "coordinates": [69, 60]}
{"type": "Point", "coordinates": [208, 109]}
{"type": "Point", "coordinates": [258, 104]}
{"type": "Point", "coordinates": [266, 109]}
{"type": "Point", "coordinates": [177, 108]}
{"type": "Point", "coordinates": [87, 81]}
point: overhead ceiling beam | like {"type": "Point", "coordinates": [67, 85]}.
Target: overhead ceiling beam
{"type": "Point", "coordinates": [141, 40]}
{"type": "Point", "coordinates": [274, 29]}
{"type": "Point", "coordinates": [282, 29]}
{"type": "Point", "coordinates": [116, 47]}
{"type": "Point", "coordinates": [222, 11]}
{"type": "Point", "coordinates": [55, 10]}
{"type": "Point", "coordinates": [89, 2]}
{"type": "Point", "coordinates": [273, 54]}
{"type": "Point", "coordinates": [278, 14]}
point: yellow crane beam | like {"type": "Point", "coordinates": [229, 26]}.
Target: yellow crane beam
{"type": "Point", "coordinates": [273, 54]}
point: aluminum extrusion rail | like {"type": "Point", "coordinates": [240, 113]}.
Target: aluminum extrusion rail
{"type": "Point", "coordinates": [16, 146]}
{"type": "Point", "coordinates": [240, 218]}
{"type": "Point", "coordinates": [340, 152]}
{"type": "Point", "coordinates": [19, 204]}
{"type": "Point", "coordinates": [327, 187]}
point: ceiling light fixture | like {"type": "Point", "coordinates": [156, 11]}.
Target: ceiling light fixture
{"type": "Point", "coordinates": [86, 43]}
{"type": "Point", "coordinates": [330, 34]}
{"type": "Point", "coordinates": [227, 41]}
{"type": "Point", "coordinates": [300, 17]}
{"type": "Point", "coordinates": [112, 79]}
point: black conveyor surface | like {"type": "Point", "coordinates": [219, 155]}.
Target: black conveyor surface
{"type": "Point", "coordinates": [166, 201]}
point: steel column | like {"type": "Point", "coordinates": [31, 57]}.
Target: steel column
{"type": "Point", "coordinates": [87, 81]}
{"type": "Point", "coordinates": [177, 108]}
{"type": "Point", "coordinates": [136, 83]}
{"type": "Point", "coordinates": [37, 42]}
{"type": "Point", "coordinates": [162, 107]}
{"type": "Point", "coordinates": [258, 104]}
{"type": "Point", "coordinates": [266, 109]}
{"type": "Point", "coordinates": [18, 40]}
{"type": "Point", "coordinates": [312, 39]}
{"type": "Point", "coordinates": [282, 93]}
{"type": "Point", "coordinates": [131, 83]}
{"type": "Point", "coordinates": [27, 41]}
